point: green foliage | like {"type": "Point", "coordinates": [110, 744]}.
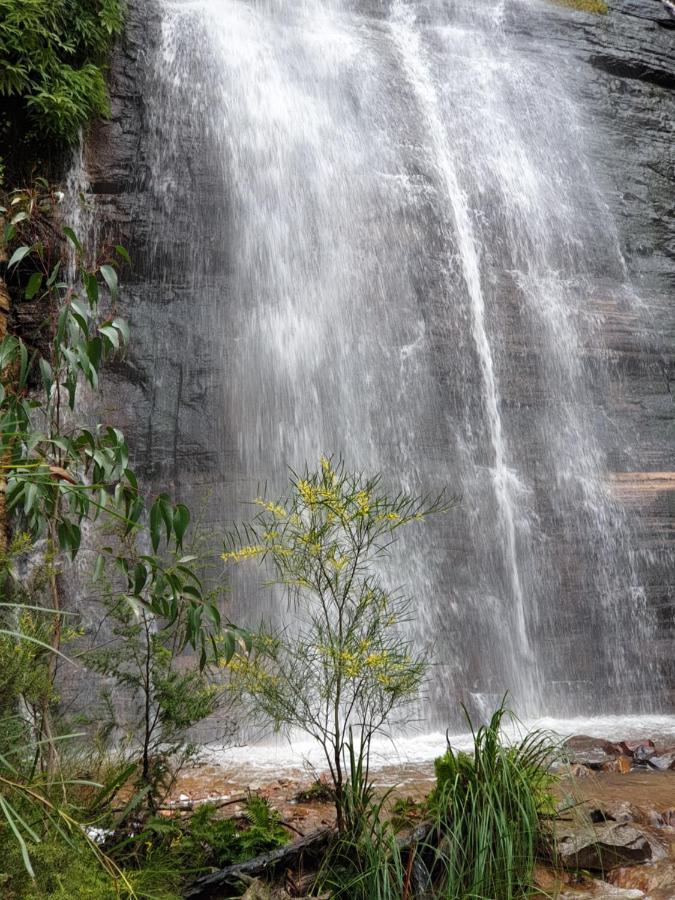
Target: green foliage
{"type": "Point", "coordinates": [63, 871]}
{"type": "Point", "coordinates": [60, 473]}
{"type": "Point", "coordinates": [365, 863]}
{"type": "Point", "coordinates": [343, 667]}
{"type": "Point", "coordinates": [487, 807]}
{"type": "Point", "coordinates": [231, 841]}
{"type": "Point", "coordinates": [52, 54]}
{"type": "Point", "coordinates": [205, 839]}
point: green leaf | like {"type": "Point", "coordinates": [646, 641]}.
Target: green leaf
{"type": "Point", "coordinates": [110, 278]}
{"type": "Point", "coordinates": [70, 536]}
{"type": "Point", "coordinates": [155, 524]}
{"type": "Point", "coordinates": [23, 366]}
{"type": "Point", "coordinates": [111, 334]}
{"type": "Point", "coordinates": [123, 328]}
{"type": "Point", "coordinates": [228, 645]}
{"type": "Point", "coordinates": [121, 251]}
{"type": "Point", "coordinates": [30, 494]}
{"type": "Point", "coordinates": [47, 375]}
{"type": "Point", "coordinates": [10, 819]}
{"type": "Point", "coordinates": [91, 287]}
{"type": "Point", "coordinates": [17, 256]}
{"type": "Point", "coordinates": [181, 520]}
{"type": "Point", "coordinates": [54, 275]}
{"type": "Point", "coordinates": [166, 512]}
{"type": "Point", "coordinates": [33, 286]}
{"type": "Point", "coordinates": [99, 568]}
{"type": "Point", "coordinates": [72, 237]}
{"type": "Point", "coordinates": [140, 577]}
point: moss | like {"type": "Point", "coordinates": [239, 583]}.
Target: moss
{"type": "Point", "coordinates": [70, 871]}
{"type": "Point", "coordinates": [588, 6]}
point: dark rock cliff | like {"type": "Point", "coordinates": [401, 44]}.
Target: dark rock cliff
{"type": "Point", "coordinates": [622, 70]}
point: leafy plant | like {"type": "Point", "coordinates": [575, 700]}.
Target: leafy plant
{"type": "Point", "coordinates": [163, 698]}
{"type": "Point", "coordinates": [342, 668]}
{"type": "Point", "coordinates": [52, 58]}
{"type": "Point", "coordinates": [205, 838]}
{"type": "Point", "coordinates": [366, 863]}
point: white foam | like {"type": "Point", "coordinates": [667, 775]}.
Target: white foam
{"type": "Point", "coordinates": [281, 757]}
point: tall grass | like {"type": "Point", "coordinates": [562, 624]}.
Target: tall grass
{"type": "Point", "coordinates": [487, 808]}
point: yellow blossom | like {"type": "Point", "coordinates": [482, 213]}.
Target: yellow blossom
{"type": "Point", "coordinates": [274, 508]}
{"type": "Point", "coordinates": [362, 500]}
{"type": "Point", "coordinates": [243, 553]}
{"type": "Point", "coordinates": [308, 493]}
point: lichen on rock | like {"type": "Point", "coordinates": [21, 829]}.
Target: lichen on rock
{"type": "Point", "coordinates": [598, 7]}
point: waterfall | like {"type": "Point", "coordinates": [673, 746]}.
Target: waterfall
{"type": "Point", "coordinates": [403, 26]}
{"type": "Point", "coordinates": [374, 230]}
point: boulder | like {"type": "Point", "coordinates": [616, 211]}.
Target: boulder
{"type": "Point", "coordinates": [590, 751]}
{"type": "Point", "coordinates": [664, 760]}
{"type": "Point", "coordinates": [657, 880]}
{"type": "Point", "coordinates": [601, 846]}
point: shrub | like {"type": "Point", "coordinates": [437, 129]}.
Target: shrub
{"type": "Point", "coordinates": [342, 670]}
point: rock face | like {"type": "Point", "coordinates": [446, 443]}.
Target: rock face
{"type": "Point", "coordinates": [182, 404]}
{"type": "Point", "coordinates": [601, 847]}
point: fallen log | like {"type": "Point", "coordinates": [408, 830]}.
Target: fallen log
{"type": "Point", "coordinates": [291, 856]}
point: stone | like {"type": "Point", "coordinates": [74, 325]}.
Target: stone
{"type": "Point", "coordinates": [657, 879]}
{"type": "Point", "coordinates": [596, 889]}
{"type": "Point", "coordinates": [622, 765]}
{"type": "Point", "coordinates": [591, 751]}
{"type": "Point", "coordinates": [600, 847]}
{"type": "Point", "coordinates": [644, 752]}
{"type": "Point", "coordinates": [663, 761]}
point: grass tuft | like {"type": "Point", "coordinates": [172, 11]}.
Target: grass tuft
{"type": "Point", "coordinates": [487, 808]}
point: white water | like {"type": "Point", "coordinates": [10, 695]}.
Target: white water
{"type": "Point", "coordinates": [269, 760]}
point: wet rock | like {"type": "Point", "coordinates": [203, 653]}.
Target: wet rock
{"type": "Point", "coordinates": [643, 753]}
{"type": "Point", "coordinates": [601, 890]}
{"type": "Point", "coordinates": [663, 761]}
{"type": "Point", "coordinates": [600, 847]}
{"type": "Point", "coordinates": [657, 880]}
{"type": "Point", "coordinates": [622, 765]}
{"type": "Point", "coordinates": [591, 751]}
{"type": "Point", "coordinates": [615, 811]}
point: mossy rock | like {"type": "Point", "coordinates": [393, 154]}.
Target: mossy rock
{"type": "Point", "coordinates": [599, 7]}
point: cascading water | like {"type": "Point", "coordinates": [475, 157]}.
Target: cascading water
{"type": "Point", "coordinates": [375, 232]}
